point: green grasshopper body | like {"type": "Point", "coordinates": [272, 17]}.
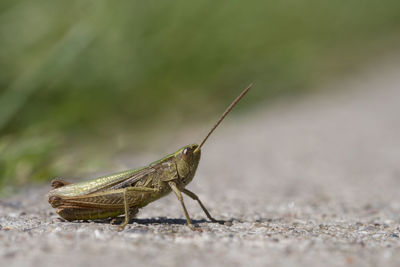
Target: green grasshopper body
{"type": "Point", "coordinates": [104, 197]}
{"type": "Point", "coordinates": [126, 192]}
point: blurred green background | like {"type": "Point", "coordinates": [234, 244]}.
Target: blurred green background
{"type": "Point", "coordinates": [82, 81]}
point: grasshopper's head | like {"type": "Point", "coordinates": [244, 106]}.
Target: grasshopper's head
{"type": "Point", "coordinates": [187, 160]}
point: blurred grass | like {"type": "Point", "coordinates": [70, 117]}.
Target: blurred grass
{"type": "Point", "coordinates": [75, 75]}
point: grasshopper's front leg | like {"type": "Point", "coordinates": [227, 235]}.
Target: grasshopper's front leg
{"type": "Point", "coordinates": [126, 193]}
{"type": "Point", "coordinates": [180, 198]}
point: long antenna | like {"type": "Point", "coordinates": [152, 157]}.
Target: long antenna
{"type": "Point", "coordinates": [224, 115]}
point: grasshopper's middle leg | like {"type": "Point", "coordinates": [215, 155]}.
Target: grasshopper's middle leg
{"type": "Point", "coordinates": [195, 197]}
{"type": "Point", "coordinates": [126, 192]}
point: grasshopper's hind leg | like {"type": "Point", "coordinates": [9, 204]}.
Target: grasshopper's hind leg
{"type": "Point", "coordinates": [133, 211]}
{"type": "Point", "coordinates": [127, 215]}
{"type": "Point", "coordinates": [195, 197]}
{"type": "Point", "coordinates": [126, 192]}
{"type": "Point", "coordinates": [57, 182]}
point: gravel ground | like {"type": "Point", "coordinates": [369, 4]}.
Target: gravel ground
{"type": "Point", "coordinates": [306, 182]}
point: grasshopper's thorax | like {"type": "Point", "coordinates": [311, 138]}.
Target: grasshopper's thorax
{"type": "Point", "coordinates": [187, 161]}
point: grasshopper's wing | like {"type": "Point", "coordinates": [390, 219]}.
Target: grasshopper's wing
{"type": "Point", "coordinates": [102, 183]}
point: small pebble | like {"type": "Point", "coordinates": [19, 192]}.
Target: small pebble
{"type": "Point", "coordinates": [228, 223]}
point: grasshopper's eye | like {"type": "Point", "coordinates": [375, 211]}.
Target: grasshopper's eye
{"type": "Point", "coordinates": [186, 154]}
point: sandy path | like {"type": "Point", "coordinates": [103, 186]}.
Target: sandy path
{"type": "Point", "coordinates": [306, 182]}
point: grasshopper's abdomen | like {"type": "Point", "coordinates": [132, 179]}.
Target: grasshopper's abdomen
{"type": "Point", "coordinates": [80, 213]}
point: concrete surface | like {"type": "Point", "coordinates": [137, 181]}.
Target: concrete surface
{"type": "Point", "coordinates": [306, 182]}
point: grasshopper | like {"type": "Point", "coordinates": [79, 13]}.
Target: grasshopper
{"type": "Point", "coordinates": [128, 191]}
